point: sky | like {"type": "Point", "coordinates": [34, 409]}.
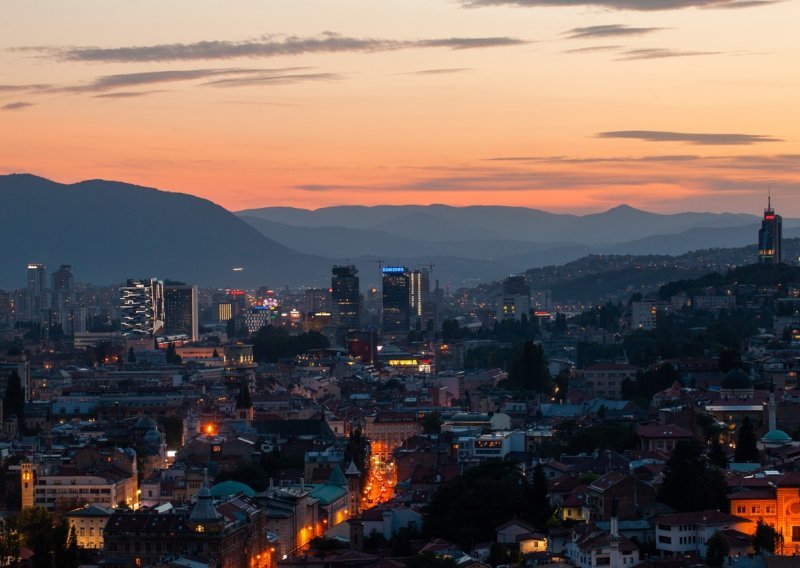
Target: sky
{"type": "Point", "coordinates": [562, 105]}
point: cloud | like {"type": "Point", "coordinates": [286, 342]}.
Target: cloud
{"type": "Point", "coordinates": [19, 105]}
{"type": "Point", "coordinates": [126, 80]}
{"type": "Point", "coordinates": [437, 71]}
{"type": "Point", "coordinates": [274, 79]}
{"type": "Point", "coordinates": [266, 46]}
{"type": "Point", "coordinates": [632, 5]}
{"type": "Point", "coordinates": [660, 53]}
{"type": "Point", "coordinates": [699, 139]}
{"type": "Point", "coordinates": [127, 94]}
{"type": "Point", "coordinates": [22, 88]}
{"type": "Point", "coordinates": [610, 30]}
{"type": "Point", "coordinates": [594, 48]}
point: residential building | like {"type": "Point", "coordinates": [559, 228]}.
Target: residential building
{"type": "Point", "coordinates": [181, 310]}
{"type": "Point", "coordinates": [142, 307]}
{"type": "Point", "coordinates": [605, 379]}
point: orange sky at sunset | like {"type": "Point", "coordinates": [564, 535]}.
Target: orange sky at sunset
{"type": "Point", "coordinates": [667, 105]}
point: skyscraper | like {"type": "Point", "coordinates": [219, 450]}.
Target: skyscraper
{"type": "Point", "coordinates": [345, 298]}
{"type": "Point", "coordinates": [37, 291]}
{"type": "Point", "coordinates": [180, 310]}
{"type": "Point", "coordinates": [142, 307]}
{"type": "Point", "coordinates": [770, 236]}
{"type": "Point", "coordinates": [419, 295]}
{"type": "Point", "coordinates": [61, 284]}
{"type": "Point", "coordinates": [396, 300]}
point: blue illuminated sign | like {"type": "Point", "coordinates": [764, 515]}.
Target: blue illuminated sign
{"type": "Point", "coordinates": [394, 269]}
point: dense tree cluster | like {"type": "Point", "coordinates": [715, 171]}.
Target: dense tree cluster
{"type": "Point", "coordinates": [690, 484]}
{"type": "Point", "coordinates": [466, 510]}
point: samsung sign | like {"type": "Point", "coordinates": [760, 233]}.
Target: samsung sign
{"type": "Point", "coordinates": [394, 269]}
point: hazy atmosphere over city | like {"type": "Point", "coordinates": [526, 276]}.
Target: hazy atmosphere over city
{"type": "Point", "coordinates": [399, 284]}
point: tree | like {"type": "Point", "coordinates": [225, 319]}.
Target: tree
{"type": "Point", "coordinates": [539, 506]}
{"type": "Point", "coordinates": [689, 484]}
{"type": "Point", "coordinates": [467, 509]}
{"type": "Point", "coordinates": [528, 370]}
{"type": "Point", "coordinates": [432, 423]}
{"type": "Point", "coordinates": [14, 400]}
{"type": "Point", "coordinates": [215, 354]}
{"type": "Point", "coordinates": [9, 545]}
{"type": "Point", "coordinates": [766, 538]}
{"type": "Point", "coordinates": [35, 525]}
{"type": "Point", "coordinates": [717, 550]}
{"type": "Point", "coordinates": [746, 443]}
{"type": "Point", "coordinates": [131, 355]}
{"type": "Point", "coordinates": [716, 455]}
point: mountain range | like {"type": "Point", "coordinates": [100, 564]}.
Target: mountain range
{"type": "Point", "coordinates": [110, 231]}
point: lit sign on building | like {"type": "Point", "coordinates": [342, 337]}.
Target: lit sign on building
{"type": "Point", "coordinates": [393, 269]}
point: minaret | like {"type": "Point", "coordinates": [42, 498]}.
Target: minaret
{"type": "Point", "coordinates": [613, 539]}
{"type": "Point", "coordinates": [772, 409]}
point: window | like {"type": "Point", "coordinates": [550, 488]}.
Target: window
{"type": "Point", "coordinates": [796, 533]}
{"type": "Point", "coordinates": [665, 539]}
{"type": "Point", "coordinates": [741, 509]}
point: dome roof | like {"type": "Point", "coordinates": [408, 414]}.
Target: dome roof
{"type": "Point", "coordinates": [145, 423]}
{"type": "Point", "coordinates": [776, 437]}
{"type": "Point", "coordinates": [228, 488]}
{"type": "Point", "coordinates": [736, 379]}
{"type": "Point", "coordinates": [153, 437]}
{"type": "Point", "coordinates": [204, 510]}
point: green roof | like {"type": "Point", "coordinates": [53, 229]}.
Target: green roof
{"type": "Point", "coordinates": [228, 488]}
{"type": "Point", "coordinates": [337, 477]}
{"type": "Point", "coordinates": [327, 494]}
{"type": "Point", "coordinates": [776, 436]}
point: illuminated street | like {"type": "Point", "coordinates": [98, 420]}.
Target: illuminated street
{"type": "Point", "coordinates": [380, 483]}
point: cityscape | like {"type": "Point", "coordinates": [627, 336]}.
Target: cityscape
{"type": "Point", "coordinates": [399, 284]}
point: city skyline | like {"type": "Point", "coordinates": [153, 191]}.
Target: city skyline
{"type": "Point", "coordinates": [564, 106]}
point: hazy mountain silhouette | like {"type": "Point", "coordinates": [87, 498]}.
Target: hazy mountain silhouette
{"type": "Point", "coordinates": [110, 231]}
{"type": "Point", "coordinates": [442, 222]}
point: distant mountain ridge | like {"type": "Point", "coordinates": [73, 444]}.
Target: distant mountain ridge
{"type": "Point", "coordinates": [617, 225]}
{"type": "Point", "coordinates": [498, 240]}
{"type": "Point", "coordinates": [110, 231]}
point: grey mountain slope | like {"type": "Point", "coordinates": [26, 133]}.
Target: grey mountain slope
{"type": "Point", "coordinates": [110, 231]}
{"type": "Point", "coordinates": [617, 225]}
{"type": "Point", "coordinates": [338, 241]}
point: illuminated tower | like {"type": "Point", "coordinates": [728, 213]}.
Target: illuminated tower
{"type": "Point", "coordinates": [27, 481]}
{"type": "Point", "coordinates": [770, 236]}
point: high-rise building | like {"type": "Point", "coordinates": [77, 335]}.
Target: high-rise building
{"type": "Point", "coordinates": [61, 286]}
{"type": "Point", "coordinates": [37, 291]}
{"type": "Point", "coordinates": [419, 295]}
{"type": "Point", "coordinates": [770, 236]}
{"type": "Point", "coordinates": [515, 299]}
{"type": "Point", "coordinates": [142, 307]}
{"type": "Point", "coordinates": [345, 298]}
{"type": "Point", "coordinates": [316, 300]}
{"type": "Point", "coordinates": [180, 310]}
{"type": "Point", "coordinates": [396, 300]}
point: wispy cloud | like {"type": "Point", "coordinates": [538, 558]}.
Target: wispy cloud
{"type": "Point", "coordinates": [438, 71]}
{"type": "Point", "coordinates": [22, 88]}
{"type": "Point", "coordinates": [18, 105]}
{"type": "Point", "coordinates": [266, 46]}
{"type": "Point", "coordinates": [695, 138]}
{"type": "Point", "coordinates": [127, 94]}
{"type": "Point", "coordinates": [267, 79]}
{"type": "Point", "coordinates": [609, 30]}
{"type": "Point", "coordinates": [632, 5]}
{"type": "Point", "coordinates": [594, 48]}
{"type": "Point", "coordinates": [661, 53]}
